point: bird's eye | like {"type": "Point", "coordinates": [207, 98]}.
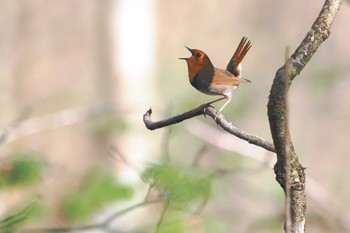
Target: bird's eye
{"type": "Point", "coordinates": [198, 55]}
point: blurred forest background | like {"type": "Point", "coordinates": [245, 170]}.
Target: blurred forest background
{"type": "Point", "coordinates": [77, 76]}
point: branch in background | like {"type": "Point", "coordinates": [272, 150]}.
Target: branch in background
{"type": "Point", "coordinates": [206, 109]}
{"type": "Point", "coordinates": [277, 113]}
{"type": "Point", "coordinates": [25, 127]}
{"type": "Point", "coordinates": [102, 225]}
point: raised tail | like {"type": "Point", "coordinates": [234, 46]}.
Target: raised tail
{"type": "Point", "coordinates": [234, 65]}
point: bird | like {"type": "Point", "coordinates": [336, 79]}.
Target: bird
{"type": "Point", "coordinates": [214, 81]}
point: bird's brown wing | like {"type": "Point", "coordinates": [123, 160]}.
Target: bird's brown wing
{"type": "Point", "coordinates": [241, 51]}
{"type": "Point", "coordinates": [223, 77]}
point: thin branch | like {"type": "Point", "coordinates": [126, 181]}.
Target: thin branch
{"type": "Point", "coordinates": [102, 225]}
{"type": "Point", "coordinates": [277, 112]}
{"type": "Point", "coordinates": [172, 120]}
{"type": "Point", "coordinates": [162, 216]}
{"type": "Point", "coordinates": [207, 110]}
{"type": "Point", "coordinates": [225, 141]}
{"type": "Point", "coordinates": [127, 210]}
{"type": "Point", "coordinates": [25, 127]}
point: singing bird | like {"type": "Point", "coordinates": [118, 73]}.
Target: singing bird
{"type": "Point", "coordinates": [214, 81]}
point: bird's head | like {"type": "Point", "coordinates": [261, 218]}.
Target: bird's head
{"type": "Point", "coordinates": [197, 62]}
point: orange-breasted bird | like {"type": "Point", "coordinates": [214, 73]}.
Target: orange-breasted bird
{"type": "Point", "coordinates": [214, 81]}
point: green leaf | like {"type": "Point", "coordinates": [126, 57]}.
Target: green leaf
{"type": "Point", "coordinates": [215, 225]}
{"type": "Point", "coordinates": [181, 186]}
{"type": "Point", "coordinates": [176, 226]}
{"type": "Point", "coordinates": [24, 168]}
{"type": "Point", "coordinates": [12, 222]}
{"type": "Point", "coordinates": [99, 188]}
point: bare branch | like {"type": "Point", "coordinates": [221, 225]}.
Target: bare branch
{"type": "Point", "coordinates": [25, 127]}
{"type": "Point", "coordinates": [162, 216]}
{"type": "Point", "coordinates": [277, 113]}
{"type": "Point", "coordinates": [172, 120]}
{"type": "Point", "coordinates": [206, 109]}
{"type": "Point", "coordinates": [102, 225]}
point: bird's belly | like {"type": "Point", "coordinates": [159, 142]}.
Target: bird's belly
{"type": "Point", "coordinates": [210, 89]}
{"type": "Point", "coordinates": [221, 89]}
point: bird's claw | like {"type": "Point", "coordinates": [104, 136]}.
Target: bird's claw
{"type": "Point", "coordinates": [216, 116]}
{"type": "Point", "coordinates": [206, 106]}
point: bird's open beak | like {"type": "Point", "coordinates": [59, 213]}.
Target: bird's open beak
{"type": "Point", "coordinates": [184, 58]}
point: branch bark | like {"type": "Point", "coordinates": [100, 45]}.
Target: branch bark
{"type": "Point", "coordinates": [278, 119]}
{"type": "Point", "coordinates": [207, 110]}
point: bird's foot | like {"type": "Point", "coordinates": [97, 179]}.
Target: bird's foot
{"type": "Point", "coordinates": [217, 115]}
{"type": "Point", "coordinates": [206, 106]}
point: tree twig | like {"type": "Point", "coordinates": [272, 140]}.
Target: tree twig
{"type": "Point", "coordinates": [207, 110]}
{"type": "Point", "coordinates": [27, 126]}
{"type": "Point", "coordinates": [100, 225]}
{"type": "Point", "coordinates": [162, 216]}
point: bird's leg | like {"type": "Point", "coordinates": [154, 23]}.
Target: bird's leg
{"type": "Point", "coordinates": [222, 108]}
{"type": "Point", "coordinates": [228, 97]}
{"type": "Point", "coordinates": [214, 101]}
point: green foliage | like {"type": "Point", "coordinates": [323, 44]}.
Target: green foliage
{"type": "Point", "coordinates": [14, 221]}
{"type": "Point", "coordinates": [172, 226]}
{"type": "Point", "coordinates": [98, 189]}
{"type": "Point", "coordinates": [181, 186]}
{"type": "Point", "coordinates": [22, 169]}
{"type": "Point", "coordinates": [215, 225]}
